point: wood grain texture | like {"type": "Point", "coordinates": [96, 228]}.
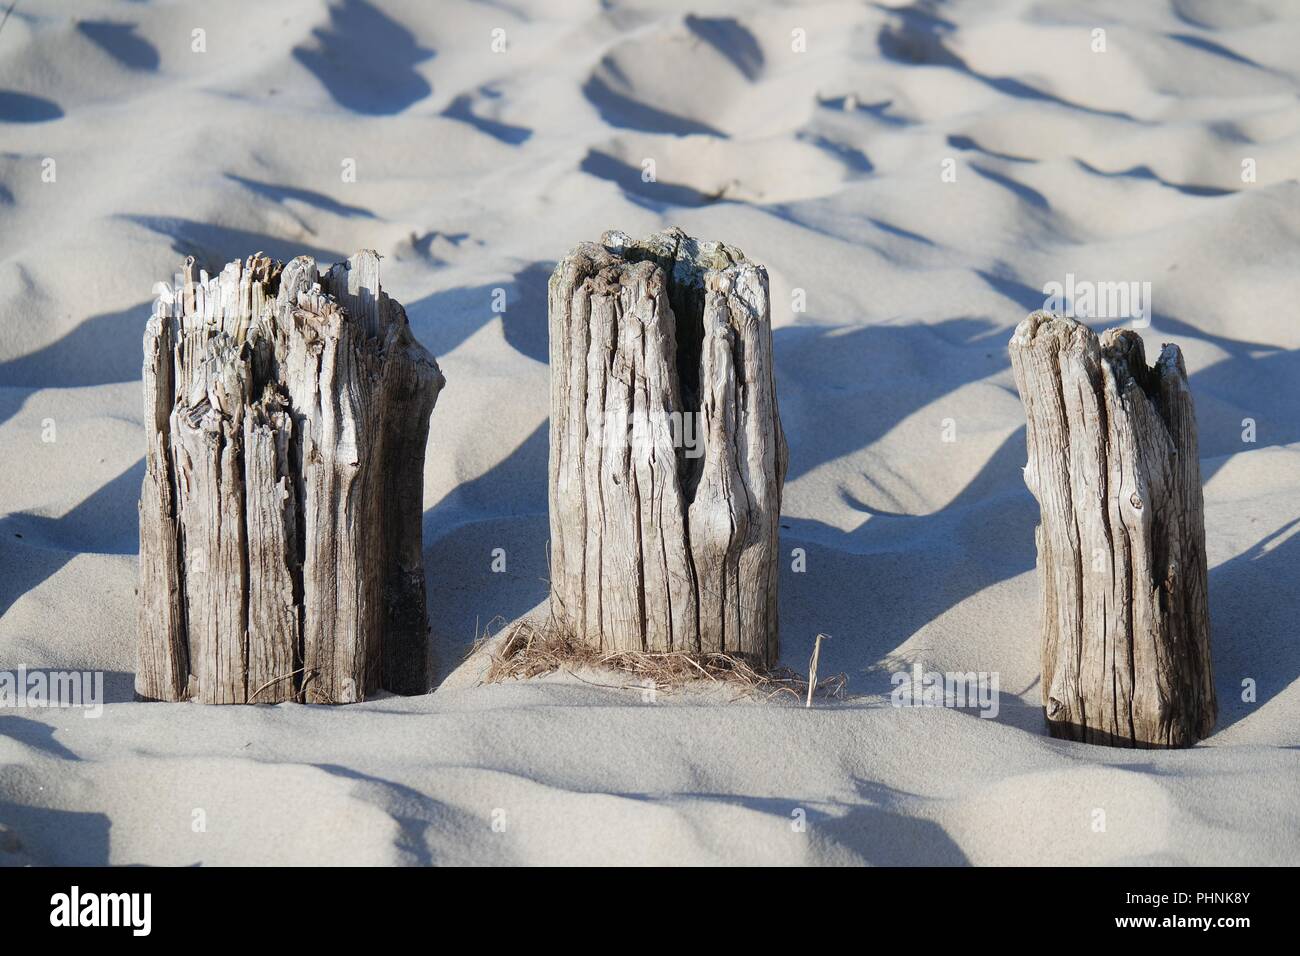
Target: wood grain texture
{"type": "Point", "coordinates": [1113, 463]}
{"type": "Point", "coordinates": [667, 456]}
{"type": "Point", "coordinates": [271, 522]}
{"type": "Point", "coordinates": [163, 669]}
{"type": "Point", "coordinates": [281, 554]}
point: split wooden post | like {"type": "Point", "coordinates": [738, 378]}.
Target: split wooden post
{"type": "Point", "coordinates": [287, 413]}
{"type": "Point", "coordinates": [667, 456]}
{"type": "Point", "coordinates": [1113, 462]}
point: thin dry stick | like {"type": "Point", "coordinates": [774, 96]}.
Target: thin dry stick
{"type": "Point", "coordinates": [7, 12]}
{"type": "Point", "coordinates": [812, 667]}
{"type": "Point", "coordinates": [252, 698]}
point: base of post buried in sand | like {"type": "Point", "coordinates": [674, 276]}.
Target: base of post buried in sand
{"type": "Point", "coordinates": [533, 647]}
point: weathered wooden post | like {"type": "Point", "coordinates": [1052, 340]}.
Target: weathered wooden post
{"type": "Point", "coordinates": [1121, 547]}
{"type": "Point", "coordinates": [287, 413]}
{"type": "Point", "coordinates": [667, 455]}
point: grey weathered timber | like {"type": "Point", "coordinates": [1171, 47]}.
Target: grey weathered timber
{"type": "Point", "coordinates": [667, 456]}
{"type": "Point", "coordinates": [162, 670]}
{"type": "Point", "coordinates": [1113, 462]}
{"type": "Point", "coordinates": [287, 413]}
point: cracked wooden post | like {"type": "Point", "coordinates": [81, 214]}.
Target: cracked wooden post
{"type": "Point", "coordinates": [287, 413]}
{"type": "Point", "coordinates": [1114, 465]}
{"type": "Point", "coordinates": [667, 456]}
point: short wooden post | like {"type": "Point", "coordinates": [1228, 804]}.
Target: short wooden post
{"type": "Point", "coordinates": [667, 455]}
{"type": "Point", "coordinates": [287, 413]}
{"type": "Point", "coordinates": [1121, 547]}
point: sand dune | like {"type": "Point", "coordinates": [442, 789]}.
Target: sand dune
{"type": "Point", "coordinates": [475, 171]}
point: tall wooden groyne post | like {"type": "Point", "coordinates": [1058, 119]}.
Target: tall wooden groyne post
{"type": "Point", "coordinates": [1113, 462]}
{"type": "Point", "coordinates": [667, 455]}
{"type": "Point", "coordinates": [287, 412]}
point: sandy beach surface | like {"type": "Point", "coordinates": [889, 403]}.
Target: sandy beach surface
{"type": "Point", "coordinates": [917, 174]}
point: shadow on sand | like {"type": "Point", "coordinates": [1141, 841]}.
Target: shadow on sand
{"type": "Point", "coordinates": [367, 60]}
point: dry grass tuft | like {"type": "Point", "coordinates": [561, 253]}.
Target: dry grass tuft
{"type": "Point", "coordinates": [532, 648]}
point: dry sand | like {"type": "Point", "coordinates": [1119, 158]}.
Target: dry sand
{"type": "Point", "coordinates": [475, 170]}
